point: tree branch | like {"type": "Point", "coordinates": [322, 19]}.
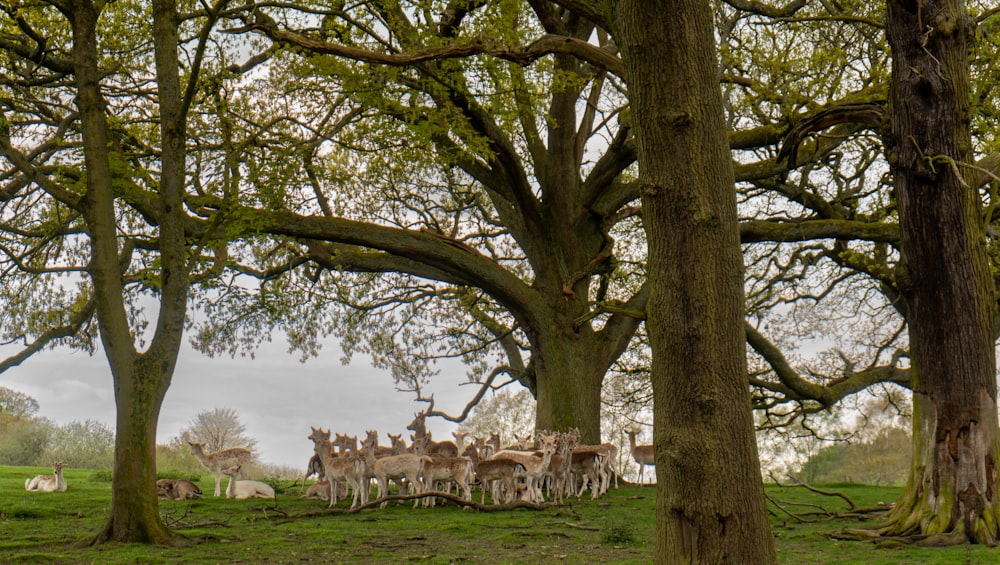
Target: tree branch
{"type": "Point", "coordinates": [796, 388]}
{"type": "Point", "coordinates": [480, 45]}
{"type": "Point", "coordinates": [755, 231]}
{"type": "Point", "coordinates": [76, 321]}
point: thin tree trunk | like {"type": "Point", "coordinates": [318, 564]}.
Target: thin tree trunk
{"type": "Point", "coordinates": [710, 500]}
{"type": "Point", "coordinates": [135, 516]}
{"type": "Point", "coordinates": [951, 492]}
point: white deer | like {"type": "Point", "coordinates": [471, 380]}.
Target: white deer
{"type": "Point", "coordinates": [245, 489]}
{"type": "Point", "coordinates": [48, 483]}
{"type": "Point", "coordinates": [216, 461]}
{"type": "Point", "coordinates": [642, 454]}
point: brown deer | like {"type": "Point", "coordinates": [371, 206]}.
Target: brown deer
{"type": "Point", "coordinates": [420, 435]}
{"type": "Point", "coordinates": [176, 489]}
{"type": "Point", "coordinates": [642, 454]}
{"type": "Point", "coordinates": [216, 461]}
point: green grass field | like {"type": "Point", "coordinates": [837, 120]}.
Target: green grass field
{"type": "Point", "coordinates": [617, 528]}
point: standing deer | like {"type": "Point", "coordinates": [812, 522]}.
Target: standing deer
{"type": "Point", "coordinates": [420, 435]}
{"type": "Point", "coordinates": [491, 472]}
{"type": "Point", "coordinates": [216, 461]}
{"type": "Point", "coordinates": [48, 483]}
{"type": "Point", "coordinates": [535, 466]}
{"type": "Point", "coordinates": [407, 465]}
{"type": "Point", "coordinates": [336, 468]}
{"type": "Point", "coordinates": [642, 454]}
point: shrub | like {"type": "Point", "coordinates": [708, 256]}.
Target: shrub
{"type": "Point", "coordinates": [618, 533]}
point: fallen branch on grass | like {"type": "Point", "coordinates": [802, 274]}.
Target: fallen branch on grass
{"type": "Point", "coordinates": [454, 498]}
{"type": "Point", "coordinates": [853, 509]}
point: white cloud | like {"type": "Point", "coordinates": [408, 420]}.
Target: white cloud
{"type": "Point", "coordinates": [277, 397]}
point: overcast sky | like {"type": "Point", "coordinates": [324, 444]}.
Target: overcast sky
{"type": "Point", "coordinates": [277, 397]}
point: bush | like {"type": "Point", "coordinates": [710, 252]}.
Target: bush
{"type": "Point", "coordinates": [100, 476]}
{"type": "Point", "coordinates": [178, 461]}
{"type": "Point", "coordinates": [81, 445]}
{"type": "Point", "coordinates": [178, 474]}
{"type": "Point", "coordinates": [22, 439]}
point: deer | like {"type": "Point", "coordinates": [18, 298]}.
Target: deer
{"type": "Point", "coordinates": [492, 446]}
{"type": "Point", "coordinates": [559, 466]}
{"type": "Point", "coordinates": [491, 472]}
{"type": "Point", "coordinates": [588, 465]}
{"type": "Point", "coordinates": [608, 453]}
{"type": "Point", "coordinates": [216, 461]}
{"type": "Point", "coordinates": [408, 465]}
{"type": "Point", "coordinates": [456, 470]}
{"type": "Point", "coordinates": [448, 470]}
{"type": "Point", "coordinates": [337, 468]}
{"type": "Point", "coordinates": [320, 490]}
{"type": "Point", "coordinates": [642, 454]}
{"type": "Point", "coordinates": [460, 440]}
{"type": "Point", "coordinates": [434, 448]}
{"type": "Point", "coordinates": [535, 467]}
{"type": "Point", "coordinates": [48, 483]}
{"type": "Point", "coordinates": [177, 489]}
{"type": "Point", "coordinates": [398, 444]}
{"type": "Point", "coordinates": [313, 467]}
{"type": "Point", "coordinates": [245, 489]}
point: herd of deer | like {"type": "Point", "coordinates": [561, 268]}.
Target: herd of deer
{"type": "Point", "coordinates": [518, 472]}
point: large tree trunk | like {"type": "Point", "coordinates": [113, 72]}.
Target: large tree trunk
{"type": "Point", "coordinates": [710, 500]}
{"type": "Point", "coordinates": [140, 380]}
{"type": "Point", "coordinates": [568, 380]}
{"type": "Point", "coordinates": [949, 292]}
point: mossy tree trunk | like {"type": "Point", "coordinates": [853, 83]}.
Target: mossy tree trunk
{"type": "Point", "coordinates": [710, 500]}
{"type": "Point", "coordinates": [570, 370]}
{"type": "Point", "coordinates": [949, 294]}
{"type": "Point", "coordinates": [140, 379]}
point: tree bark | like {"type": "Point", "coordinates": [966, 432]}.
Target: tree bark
{"type": "Point", "coordinates": [948, 290]}
{"type": "Point", "coordinates": [568, 385]}
{"type": "Point", "coordinates": [710, 500]}
{"type": "Point", "coordinates": [135, 516]}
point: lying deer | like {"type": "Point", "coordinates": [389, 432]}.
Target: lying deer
{"type": "Point", "coordinates": [176, 489]}
{"type": "Point", "coordinates": [48, 483]}
{"type": "Point", "coordinates": [245, 489]}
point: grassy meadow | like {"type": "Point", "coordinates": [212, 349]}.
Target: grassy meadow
{"type": "Point", "coordinates": [618, 528]}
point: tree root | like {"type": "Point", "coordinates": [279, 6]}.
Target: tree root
{"type": "Point", "coordinates": [883, 540]}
